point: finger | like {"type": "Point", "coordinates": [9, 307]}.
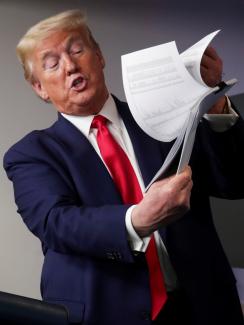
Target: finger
{"type": "Point", "coordinates": [188, 191]}
{"type": "Point", "coordinates": [185, 195]}
{"type": "Point", "coordinates": [187, 169]}
{"type": "Point", "coordinates": [189, 186]}
{"type": "Point", "coordinates": [203, 70]}
{"type": "Point", "coordinates": [181, 180]}
{"type": "Point", "coordinates": [208, 62]}
{"type": "Point", "coordinates": [210, 77]}
{"type": "Point", "coordinates": [211, 60]}
{"type": "Point", "coordinates": [163, 181]}
{"type": "Point", "coordinates": [211, 52]}
{"type": "Point", "coordinates": [186, 172]}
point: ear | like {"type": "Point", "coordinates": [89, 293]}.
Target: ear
{"type": "Point", "coordinates": [39, 89]}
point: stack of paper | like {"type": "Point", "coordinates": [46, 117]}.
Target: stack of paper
{"type": "Point", "coordinates": [167, 96]}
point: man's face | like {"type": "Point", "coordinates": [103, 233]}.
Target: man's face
{"type": "Point", "coordinates": [68, 71]}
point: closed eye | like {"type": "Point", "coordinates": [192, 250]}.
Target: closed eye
{"type": "Point", "coordinates": [50, 63]}
{"type": "Point", "coordinates": [76, 52]}
{"type": "Point", "coordinates": [76, 48]}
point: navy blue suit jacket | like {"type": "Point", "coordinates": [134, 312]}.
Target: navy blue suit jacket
{"type": "Point", "coordinates": [67, 198]}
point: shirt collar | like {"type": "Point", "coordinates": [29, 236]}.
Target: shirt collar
{"type": "Point", "coordinates": [83, 123]}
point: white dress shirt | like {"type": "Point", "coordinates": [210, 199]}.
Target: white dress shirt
{"type": "Point", "coordinates": [118, 130]}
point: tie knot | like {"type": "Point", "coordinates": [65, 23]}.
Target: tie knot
{"type": "Point", "coordinates": [98, 121]}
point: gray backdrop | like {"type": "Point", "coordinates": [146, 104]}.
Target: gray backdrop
{"type": "Point", "coordinates": [120, 27]}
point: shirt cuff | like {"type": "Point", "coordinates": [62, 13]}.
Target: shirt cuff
{"type": "Point", "coordinates": [137, 243]}
{"type": "Point", "coordinates": [222, 122]}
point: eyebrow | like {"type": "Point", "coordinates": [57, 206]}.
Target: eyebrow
{"type": "Point", "coordinates": [69, 41]}
{"type": "Point", "coordinates": [72, 40]}
{"type": "Point", "coordinates": [47, 54]}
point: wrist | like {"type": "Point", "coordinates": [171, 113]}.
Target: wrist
{"type": "Point", "coordinates": [138, 225]}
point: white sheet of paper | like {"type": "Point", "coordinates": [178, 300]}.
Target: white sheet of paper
{"type": "Point", "coordinates": [156, 85]}
{"type": "Point", "coordinates": [157, 82]}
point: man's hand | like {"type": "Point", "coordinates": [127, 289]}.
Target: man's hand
{"type": "Point", "coordinates": [166, 201]}
{"type": "Point", "coordinates": [211, 72]}
{"type": "Point", "coordinates": [211, 67]}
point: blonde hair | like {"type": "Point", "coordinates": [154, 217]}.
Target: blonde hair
{"type": "Point", "coordinates": [67, 21]}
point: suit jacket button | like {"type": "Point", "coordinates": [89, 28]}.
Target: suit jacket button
{"type": "Point", "coordinates": [117, 256]}
{"type": "Point", "coordinates": [110, 256]}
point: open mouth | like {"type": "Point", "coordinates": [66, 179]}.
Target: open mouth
{"type": "Point", "coordinates": [79, 84]}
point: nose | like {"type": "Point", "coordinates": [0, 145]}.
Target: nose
{"type": "Point", "coordinates": [69, 64]}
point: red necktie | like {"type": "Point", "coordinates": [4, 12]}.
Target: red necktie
{"type": "Point", "coordinates": [126, 181]}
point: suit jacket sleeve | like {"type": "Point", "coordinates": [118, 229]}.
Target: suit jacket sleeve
{"type": "Point", "coordinates": [52, 210]}
{"type": "Point", "coordinates": [218, 160]}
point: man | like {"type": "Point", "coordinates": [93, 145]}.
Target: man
{"type": "Point", "coordinates": [98, 244]}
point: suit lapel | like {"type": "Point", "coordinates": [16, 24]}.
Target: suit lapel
{"type": "Point", "coordinates": [83, 157]}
